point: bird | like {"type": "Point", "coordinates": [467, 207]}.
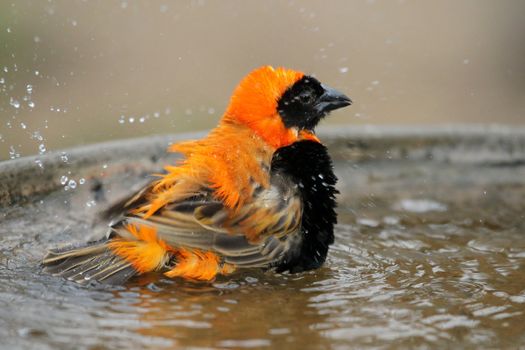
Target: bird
{"type": "Point", "coordinates": [258, 192]}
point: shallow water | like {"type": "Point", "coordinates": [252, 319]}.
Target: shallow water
{"type": "Point", "coordinates": [428, 254]}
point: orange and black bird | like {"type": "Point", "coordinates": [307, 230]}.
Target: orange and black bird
{"type": "Point", "coordinates": [257, 192]}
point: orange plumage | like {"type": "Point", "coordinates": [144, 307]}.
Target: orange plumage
{"type": "Point", "coordinates": [226, 205]}
{"type": "Point", "coordinates": [146, 253]}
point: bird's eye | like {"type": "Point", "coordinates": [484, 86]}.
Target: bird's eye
{"type": "Point", "coordinates": [306, 97]}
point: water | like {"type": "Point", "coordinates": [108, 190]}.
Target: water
{"type": "Point", "coordinates": [427, 255]}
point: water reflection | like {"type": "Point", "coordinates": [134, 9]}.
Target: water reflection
{"type": "Point", "coordinates": [252, 310]}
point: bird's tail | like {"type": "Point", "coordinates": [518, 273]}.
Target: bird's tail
{"type": "Point", "coordinates": [132, 250]}
{"type": "Point", "coordinates": [110, 261]}
{"type": "Point", "coordinates": [92, 262]}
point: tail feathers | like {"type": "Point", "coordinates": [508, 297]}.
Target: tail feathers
{"type": "Point", "coordinates": [93, 262]}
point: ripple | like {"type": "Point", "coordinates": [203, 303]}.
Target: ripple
{"type": "Point", "coordinates": [250, 343]}
{"type": "Point", "coordinates": [419, 205]}
{"type": "Point", "coordinates": [447, 321]}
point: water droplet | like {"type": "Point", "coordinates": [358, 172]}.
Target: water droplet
{"type": "Point", "coordinates": [13, 153]}
{"type": "Point", "coordinates": [14, 103]}
{"type": "Point", "coordinates": [63, 179]}
{"type": "Point", "coordinates": [375, 82]}
{"type": "Point", "coordinates": [42, 148]}
{"type": "Point", "coordinates": [37, 72]}
{"type": "Point", "coordinates": [72, 184]}
{"type": "Point", "coordinates": [29, 89]}
{"type": "Point", "coordinates": [121, 120]}
{"type": "Point", "coordinates": [31, 104]}
{"type": "Point", "coordinates": [74, 23]}
{"type": "Point", "coordinates": [2, 80]}
{"type": "Point", "coordinates": [156, 114]}
{"type": "Point", "coordinates": [91, 204]}
{"type": "Point", "coordinates": [8, 30]}
{"type": "Point", "coordinates": [105, 166]}
{"type": "Point", "coordinates": [36, 136]}
{"type": "Point", "coordinates": [23, 126]}
{"type": "Point", "coordinates": [82, 181]}
{"type": "Point", "coordinates": [64, 157]}
{"type": "Point", "coordinates": [36, 39]}
{"type": "Point", "coordinates": [39, 163]}
{"type": "Point", "coordinates": [131, 119]}
{"type": "Point", "coordinates": [6, 69]}
{"type": "Point", "coordinates": [343, 70]}
{"type": "Point", "coordinates": [142, 119]}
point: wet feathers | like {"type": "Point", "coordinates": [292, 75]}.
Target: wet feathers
{"type": "Point", "coordinates": [257, 192]}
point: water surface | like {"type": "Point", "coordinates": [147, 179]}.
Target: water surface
{"type": "Point", "coordinates": [427, 255]}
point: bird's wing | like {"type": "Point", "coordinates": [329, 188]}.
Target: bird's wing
{"type": "Point", "coordinates": [257, 234]}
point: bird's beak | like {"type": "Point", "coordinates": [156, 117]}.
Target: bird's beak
{"type": "Point", "coordinates": [331, 99]}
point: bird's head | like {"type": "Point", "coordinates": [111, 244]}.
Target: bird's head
{"type": "Point", "coordinates": [282, 105]}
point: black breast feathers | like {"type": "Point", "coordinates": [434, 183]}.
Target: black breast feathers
{"type": "Point", "coordinates": [309, 165]}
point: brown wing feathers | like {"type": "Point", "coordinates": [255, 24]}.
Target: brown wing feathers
{"type": "Point", "coordinates": [256, 235]}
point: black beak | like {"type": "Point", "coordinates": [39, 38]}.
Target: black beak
{"type": "Point", "coordinates": [331, 99]}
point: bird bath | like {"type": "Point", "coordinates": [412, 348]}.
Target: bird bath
{"type": "Point", "coordinates": [429, 252]}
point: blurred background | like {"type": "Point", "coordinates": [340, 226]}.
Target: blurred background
{"type": "Point", "coordinates": [74, 72]}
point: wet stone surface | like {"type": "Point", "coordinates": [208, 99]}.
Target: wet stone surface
{"type": "Point", "coordinates": [429, 254]}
